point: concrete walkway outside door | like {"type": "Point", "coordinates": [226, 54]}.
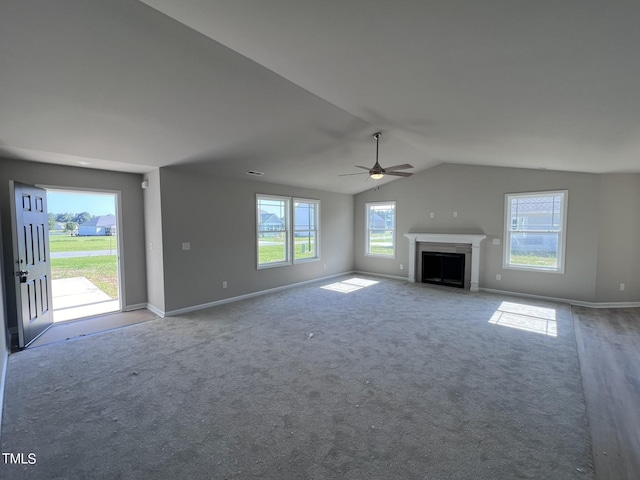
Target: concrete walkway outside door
{"type": "Point", "coordinates": [77, 297]}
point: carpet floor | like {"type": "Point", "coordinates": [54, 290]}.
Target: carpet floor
{"type": "Point", "coordinates": [350, 378]}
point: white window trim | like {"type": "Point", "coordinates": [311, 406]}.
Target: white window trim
{"type": "Point", "coordinates": [315, 258]}
{"type": "Point", "coordinates": [366, 230]}
{"type": "Point", "coordinates": [562, 234]}
{"type": "Point", "coordinates": [289, 232]}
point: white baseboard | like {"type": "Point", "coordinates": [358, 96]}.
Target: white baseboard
{"type": "Point", "coordinates": [578, 303]}
{"type": "Point", "coordinates": [607, 304]}
{"type": "Point", "coordinates": [393, 277]}
{"type": "Point", "coordinates": [155, 310]}
{"type": "Point", "coordinates": [195, 308]}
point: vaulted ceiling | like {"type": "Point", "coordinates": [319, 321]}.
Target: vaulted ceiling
{"type": "Point", "coordinates": [296, 88]}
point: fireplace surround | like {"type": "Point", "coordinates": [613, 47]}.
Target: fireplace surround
{"type": "Point", "coordinates": [447, 238]}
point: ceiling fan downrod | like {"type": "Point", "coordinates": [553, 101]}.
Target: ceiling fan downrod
{"type": "Point", "coordinates": [377, 172]}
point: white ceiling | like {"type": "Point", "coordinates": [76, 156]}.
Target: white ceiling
{"type": "Point", "coordinates": [296, 88]}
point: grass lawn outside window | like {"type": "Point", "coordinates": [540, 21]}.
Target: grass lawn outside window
{"type": "Point", "coordinates": [67, 243]}
{"type": "Point", "coordinates": [100, 270]}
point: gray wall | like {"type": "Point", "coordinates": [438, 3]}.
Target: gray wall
{"type": "Point", "coordinates": [602, 231]}
{"type": "Point", "coordinates": [154, 241]}
{"type": "Point", "coordinates": [218, 217]}
{"type": "Point", "coordinates": [132, 221]}
{"type": "Point", "coordinates": [619, 234]}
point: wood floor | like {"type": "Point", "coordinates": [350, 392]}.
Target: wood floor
{"type": "Point", "coordinates": [609, 352]}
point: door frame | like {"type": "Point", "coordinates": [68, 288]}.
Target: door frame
{"type": "Point", "coordinates": [119, 232]}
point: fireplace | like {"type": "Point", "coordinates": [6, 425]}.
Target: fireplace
{"type": "Point", "coordinates": [443, 268]}
{"type": "Point", "coordinates": [472, 262]}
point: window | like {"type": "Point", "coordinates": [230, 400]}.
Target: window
{"type": "Point", "coordinates": [381, 229]}
{"type": "Point", "coordinates": [305, 229]}
{"type": "Point", "coordinates": [276, 239]}
{"type": "Point", "coordinates": [535, 226]}
{"type": "Point", "coordinates": [273, 231]}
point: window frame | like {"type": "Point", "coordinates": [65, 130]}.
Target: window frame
{"type": "Point", "coordinates": [315, 230]}
{"type": "Point", "coordinates": [367, 243]}
{"type": "Point", "coordinates": [286, 231]}
{"type": "Point", "coordinates": [289, 230]}
{"type": "Point", "coordinates": [561, 232]}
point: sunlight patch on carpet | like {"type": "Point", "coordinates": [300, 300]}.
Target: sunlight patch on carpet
{"type": "Point", "coordinates": [351, 285]}
{"type": "Point", "coordinates": [530, 318]}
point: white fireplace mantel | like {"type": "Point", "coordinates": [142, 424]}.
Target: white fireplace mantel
{"type": "Point", "coordinates": [465, 238]}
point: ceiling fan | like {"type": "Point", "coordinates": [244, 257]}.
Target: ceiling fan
{"type": "Point", "coordinates": [377, 172]}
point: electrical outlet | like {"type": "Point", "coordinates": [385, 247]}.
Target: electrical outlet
{"type": "Point", "coordinates": [498, 276]}
{"type": "Point", "coordinates": [622, 287]}
{"type": "Point", "coordinates": [432, 214]}
{"type": "Point", "coordinates": [224, 284]}
{"type": "Point", "coordinates": [455, 214]}
{"type": "Point", "coordinates": [401, 267]}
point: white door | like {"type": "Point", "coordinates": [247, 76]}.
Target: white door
{"type": "Point", "coordinates": [32, 270]}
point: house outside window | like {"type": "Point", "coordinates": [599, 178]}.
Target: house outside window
{"type": "Point", "coordinates": [273, 231]}
{"type": "Point", "coordinates": [380, 229]}
{"type": "Point", "coordinates": [535, 231]}
{"type": "Point", "coordinates": [288, 230]}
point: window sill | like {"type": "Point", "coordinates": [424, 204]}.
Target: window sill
{"type": "Point", "coordinates": [306, 260]}
{"type": "Point", "coordinates": [373, 255]}
{"type": "Point", "coordinates": [525, 268]}
{"type": "Point", "coordinates": [273, 265]}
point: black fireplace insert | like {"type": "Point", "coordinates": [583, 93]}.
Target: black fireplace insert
{"type": "Point", "coordinates": [443, 268]}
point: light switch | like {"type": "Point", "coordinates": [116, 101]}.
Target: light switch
{"type": "Point", "coordinates": [186, 246]}
{"type": "Point", "coordinates": [496, 241]}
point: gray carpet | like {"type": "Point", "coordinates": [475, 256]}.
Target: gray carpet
{"type": "Point", "coordinates": [397, 381]}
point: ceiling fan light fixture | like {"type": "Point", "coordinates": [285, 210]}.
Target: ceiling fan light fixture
{"type": "Point", "coordinates": [376, 176]}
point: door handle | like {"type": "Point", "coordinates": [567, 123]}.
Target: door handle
{"type": "Point", "coordinates": [23, 274]}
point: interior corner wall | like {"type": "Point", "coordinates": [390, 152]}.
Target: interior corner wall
{"type": "Point", "coordinates": [132, 221]}
{"type": "Point", "coordinates": [477, 195]}
{"type": "Point", "coordinates": [217, 217]}
{"type": "Point", "coordinates": [153, 239]}
{"type": "Point", "coordinates": [619, 238]}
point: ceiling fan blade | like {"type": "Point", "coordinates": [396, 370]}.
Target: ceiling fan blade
{"type": "Point", "coordinates": [347, 174]}
{"type": "Point", "coordinates": [398, 174]}
{"type": "Point", "coordinates": [404, 166]}
{"type": "Point", "coordinates": [360, 166]}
